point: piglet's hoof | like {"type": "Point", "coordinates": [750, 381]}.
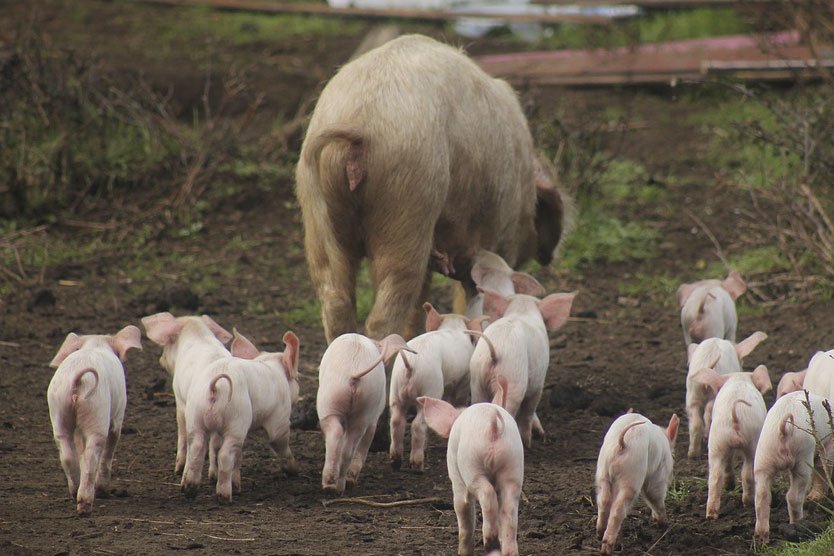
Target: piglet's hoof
{"type": "Point", "coordinates": [330, 489]}
{"type": "Point", "coordinates": [190, 491]}
{"type": "Point", "coordinates": [291, 469]}
{"type": "Point", "coordinates": [84, 508]}
{"type": "Point", "coordinates": [396, 463]}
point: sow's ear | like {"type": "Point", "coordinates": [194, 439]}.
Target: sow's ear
{"type": "Point", "coordinates": [550, 214]}
{"type": "Point", "coordinates": [549, 218]}
{"type": "Point", "coordinates": [683, 293]}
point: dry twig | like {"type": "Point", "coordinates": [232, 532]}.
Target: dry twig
{"type": "Point", "coordinates": [397, 503]}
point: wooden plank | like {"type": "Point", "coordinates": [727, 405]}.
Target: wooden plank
{"type": "Point", "coordinates": [669, 4]}
{"type": "Point", "coordinates": [376, 13]}
{"type": "Point", "coordinates": [777, 56]}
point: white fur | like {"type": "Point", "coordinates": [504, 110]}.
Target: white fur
{"type": "Point", "coordinates": [349, 407]}
{"type": "Point", "coordinates": [727, 437]}
{"type": "Point", "coordinates": [87, 410]}
{"type": "Point", "coordinates": [793, 451]}
{"type": "Point", "coordinates": [724, 357]}
{"type": "Point", "coordinates": [440, 370]}
{"type": "Point", "coordinates": [643, 466]}
{"type": "Point", "coordinates": [485, 461]}
{"type": "Point", "coordinates": [189, 347]}
{"type": "Point", "coordinates": [262, 394]}
{"type": "Point", "coordinates": [708, 308]}
{"type": "Point", "coordinates": [523, 351]}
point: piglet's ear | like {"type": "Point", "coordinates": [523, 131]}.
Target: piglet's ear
{"type": "Point", "coordinates": [494, 303]}
{"type": "Point", "coordinates": [734, 284]}
{"type": "Point", "coordinates": [242, 347]}
{"type": "Point", "coordinates": [477, 273]}
{"type": "Point", "coordinates": [524, 283]}
{"type": "Point", "coordinates": [690, 351]}
{"type": "Point", "coordinates": [761, 379]}
{"type": "Point", "coordinates": [71, 343]}
{"type": "Point", "coordinates": [127, 338]}
{"type": "Point", "coordinates": [747, 345]}
{"type": "Point", "coordinates": [555, 309]}
{"type": "Point", "coordinates": [683, 293]}
{"type": "Point", "coordinates": [290, 355]}
{"type": "Point", "coordinates": [477, 325]}
{"type": "Point", "coordinates": [219, 332]}
{"type": "Point", "coordinates": [790, 382]}
{"type": "Point", "coordinates": [433, 318]}
{"type": "Point", "coordinates": [439, 415]}
{"type": "Point", "coordinates": [162, 328]}
{"type": "Point", "coordinates": [672, 429]}
{"type": "Point", "coordinates": [710, 379]}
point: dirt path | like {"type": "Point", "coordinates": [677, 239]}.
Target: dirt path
{"type": "Point", "coordinates": [627, 351]}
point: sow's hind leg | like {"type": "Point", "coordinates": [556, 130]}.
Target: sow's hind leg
{"type": "Point", "coordinates": [399, 268]}
{"type": "Point", "coordinates": [333, 267]}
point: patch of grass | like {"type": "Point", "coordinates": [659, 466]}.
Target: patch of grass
{"type": "Point", "coordinates": [601, 237]}
{"type": "Point", "coordinates": [307, 314]}
{"type": "Point", "coordinates": [625, 180]}
{"type": "Point", "coordinates": [655, 26]}
{"type": "Point", "coordinates": [37, 253]}
{"type": "Point", "coordinates": [682, 488]}
{"type": "Point", "coordinates": [247, 28]}
{"type": "Point", "coordinates": [204, 273]}
{"type": "Point", "coordinates": [73, 132]}
{"type": "Point", "coordinates": [765, 259]}
{"type": "Point", "coordinates": [170, 29]}
{"type": "Point", "coordinates": [659, 287]}
{"type": "Point", "coordinates": [364, 292]}
{"type": "Point", "coordinates": [823, 545]}
{"type": "Point", "coordinates": [263, 173]}
{"type": "Point", "coordinates": [748, 163]}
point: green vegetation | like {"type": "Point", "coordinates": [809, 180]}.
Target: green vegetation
{"type": "Point", "coordinates": [174, 31]}
{"type": "Point", "coordinates": [748, 163]}
{"type": "Point", "coordinates": [71, 133]}
{"type": "Point", "coordinates": [247, 28]}
{"type": "Point", "coordinates": [823, 545]}
{"type": "Point", "coordinates": [756, 260]}
{"type": "Point", "coordinates": [600, 236]}
{"type": "Point", "coordinates": [778, 148]}
{"type": "Point", "coordinates": [661, 288]}
{"type": "Point", "coordinates": [364, 292]}
{"type": "Point", "coordinates": [306, 314]}
{"type": "Point", "coordinates": [684, 487]}
{"type": "Point", "coordinates": [656, 26]}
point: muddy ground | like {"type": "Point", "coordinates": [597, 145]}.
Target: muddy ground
{"type": "Point", "coordinates": [624, 351]}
